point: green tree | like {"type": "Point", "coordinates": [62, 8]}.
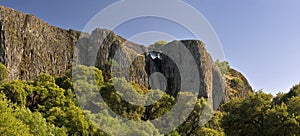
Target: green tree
{"type": "Point", "coordinates": [161, 107]}
{"type": "Point", "coordinates": [280, 122]}
{"type": "Point", "coordinates": [259, 115]}
{"type": "Point", "coordinates": [44, 94]}
{"type": "Point", "coordinates": [15, 91]}
{"type": "Point", "coordinates": [247, 116]}
{"type": "Point", "coordinates": [53, 110]}
{"type": "Point", "coordinates": [37, 124]}
{"type": "Point", "coordinates": [9, 124]}
{"type": "Point", "coordinates": [117, 104]}
{"type": "Point", "coordinates": [283, 98]}
{"type": "Point", "coordinates": [198, 124]}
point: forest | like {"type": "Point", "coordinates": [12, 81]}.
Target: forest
{"type": "Point", "coordinates": [49, 106]}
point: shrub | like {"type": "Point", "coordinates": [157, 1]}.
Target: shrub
{"type": "Point", "coordinates": [3, 72]}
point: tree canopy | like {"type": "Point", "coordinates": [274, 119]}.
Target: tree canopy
{"type": "Point", "coordinates": [70, 105]}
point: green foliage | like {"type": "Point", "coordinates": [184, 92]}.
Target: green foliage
{"type": "Point", "coordinates": [281, 122]}
{"type": "Point", "coordinates": [75, 121]}
{"type": "Point", "coordinates": [15, 120]}
{"type": "Point", "coordinates": [159, 108]}
{"type": "Point", "coordinates": [55, 109]}
{"type": "Point", "coordinates": [283, 98]}
{"type": "Point", "coordinates": [9, 124]}
{"type": "Point", "coordinates": [204, 131]}
{"type": "Point", "coordinates": [157, 45]}
{"type": "Point", "coordinates": [117, 126]}
{"type": "Point", "coordinates": [173, 133]}
{"type": "Point", "coordinates": [117, 104]}
{"type": "Point", "coordinates": [224, 67]}
{"type": "Point", "coordinates": [3, 72]}
{"type": "Point", "coordinates": [198, 124]}
{"type": "Point", "coordinates": [15, 91]}
{"type": "Point", "coordinates": [90, 75]}
{"type": "Point", "coordinates": [38, 125]}
{"type": "Point", "coordinates": [43, 78]}
{"type": "Point", "coordinates": [44, 94]}
{"type": "Point", "coordinates": [259, 115]}
{"type": "Point", "coordinates": [161, 42]}
{"type": "Point", "coordinates": [235, 81]}
{"type": "Point", "coordinates": [48, 106]}
{"type": "Point", "coordinates": [112, 62]}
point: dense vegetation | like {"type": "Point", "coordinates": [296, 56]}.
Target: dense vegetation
{"type": "Point", "coordinates": [49, 106]}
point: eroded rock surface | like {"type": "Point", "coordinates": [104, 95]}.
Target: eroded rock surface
{"type": "Point", "coordinates": [29, 46]}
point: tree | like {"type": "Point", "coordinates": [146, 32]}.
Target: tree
{"type": "Point", "coordinates": [38, 125]}
{"type": "Point", "coordinates": [280, 122]}
{"type": "Point", "coordinates": [44, 94]}
{"type": "Point", "coordinates": [283, 98]}
{"type": "Point", "coordinates": [161, 107]}
{"type": "Point", "coordinates": [117, 104]}
{"type": "Point", "coordinates": [15, 91]}
{"type": "Point", "coordinates": [259, 115]}
{"type": "Point", "coordinates": [53, 110]}
{"type": "Point", "coordinates": [198, 124]}
{"type": "Point", "coordinates": [246, 116]}
{"type": "Point", "coordinates": [9, 124]}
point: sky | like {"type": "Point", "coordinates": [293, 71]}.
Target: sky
{"type": "Point", "coordinates": [260, 38]}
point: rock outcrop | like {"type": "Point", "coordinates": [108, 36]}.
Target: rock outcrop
{"type": "Point", "coordinates": [115, 56]}
{"type": "Point", "coordinates": [29, 46]}
{"type": "Point", "coordinates": [237, 86]}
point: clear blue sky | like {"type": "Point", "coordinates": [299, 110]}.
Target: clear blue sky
{"type": "Point", "coordinates": [260, 38]}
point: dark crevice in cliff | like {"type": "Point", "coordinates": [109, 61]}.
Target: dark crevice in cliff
{"type": "Point", "coordinates": [26, 20]}
{"type": "Point", "coordinates": [156, 58]}
{"type": "Point", "coordinates": [23, 34]}
{"type": "Point", "coordinates": [160, 63]}
{"type": "Point", "coordinates": [2, 44]}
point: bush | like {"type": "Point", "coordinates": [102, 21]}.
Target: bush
{"type": "Point", "coordinates": [3, 72]}
{"type": "Point", "coordinates": [223, 66]}
{"type": "Point", "coordinates": [236, 81]}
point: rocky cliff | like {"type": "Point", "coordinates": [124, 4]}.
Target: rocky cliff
{"type": "Point", "coordinates": [104, 49]}
{"type": "Point", "coordinates": [29, 46]}
{"type": "Point", "coordinates": [237, 86]}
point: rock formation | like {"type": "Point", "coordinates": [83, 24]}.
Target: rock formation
{"type": "Point", "coordinates": [29, 46]}
{"type": "Point", "coordinates": [237, 86]}
{"type": "Point", "coordinates": [104, 49]}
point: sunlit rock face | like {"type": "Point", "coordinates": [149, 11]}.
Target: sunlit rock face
{"type": "Point", "coordinates": [29, 46]}
{"type": "Point", "coordinates": [114, 55]}
{"type": "Point", "coordinates": [170, 60]}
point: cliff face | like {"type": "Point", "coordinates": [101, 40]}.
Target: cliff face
{"type": "Point", "coordinates": [174, 61]}
{"type": "Point", "coordinates": [29, 46]}
{"type": "Point", "coordinates": [237, 86]}
{"type": "Point", "coordinates": [115, 56]}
